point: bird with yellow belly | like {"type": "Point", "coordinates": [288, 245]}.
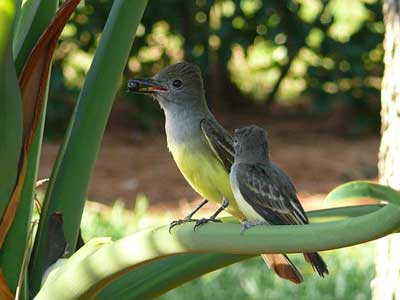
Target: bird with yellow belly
{"type": "Point", "coordinates": [201, 147]}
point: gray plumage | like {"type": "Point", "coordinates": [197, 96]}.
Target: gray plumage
{"type": "Point", "coordinates": [263, 191]}
{"type": "Point", "coordinates": [202, 149]}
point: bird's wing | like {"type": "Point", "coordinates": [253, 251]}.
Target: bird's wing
{"type": "Point", "coordinates": [269, 195]}
{"type": "Point", "coordinates": [220, 141]}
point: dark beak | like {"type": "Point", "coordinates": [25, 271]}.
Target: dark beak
{"type": "Point", "coordinates": [145, 86]}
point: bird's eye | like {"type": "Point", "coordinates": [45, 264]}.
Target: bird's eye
{"type": "Point", "coordinates": [177, 83]}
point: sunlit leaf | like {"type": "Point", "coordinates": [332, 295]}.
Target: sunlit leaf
{"type": "Point", "coordinates": [25, 20]}
{"type": "Point", "coordinates": [7, 12]}
{"type": "Point", "coordinates": [145, 254]}
{"type": "Point", "coordinates": [363, 189]}
{"type": "Point", "coordinates": [28, 31]}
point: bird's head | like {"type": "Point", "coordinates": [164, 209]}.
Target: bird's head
{"type": "Point", "coordinates": [251, 144]}
{"type": "Point", "coordinates": [178, 85]}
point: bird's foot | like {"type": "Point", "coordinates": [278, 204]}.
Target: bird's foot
{"type": "Point", "coordinates": [181, 221]}
{"type": "Point", "coordinates": [213, 218]}
{"type": "Point", "coordinates": [205, 221]}
{"type": "Point", "coordinates": [252, 223]}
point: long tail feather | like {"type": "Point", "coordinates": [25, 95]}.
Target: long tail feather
{"type": "Point", "coordinates": [317, 263]}
{"type": "Point", "coordinates": [283, 267]}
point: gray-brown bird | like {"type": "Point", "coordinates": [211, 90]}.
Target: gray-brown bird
{"type": "Point", "coordinates": [264, 193]}
{"type": "Point", "coordinates": [201, 147]}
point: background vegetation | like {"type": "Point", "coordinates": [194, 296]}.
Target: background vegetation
{"type": "Point", "coordinates": [324, 56]}
{"type": "Point", "coordinates": [253, 54]}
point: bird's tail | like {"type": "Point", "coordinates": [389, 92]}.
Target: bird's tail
{"type": "Point", "coordinates": [317, 263]}
{"type": "Point", "coordinates": [283, 267]}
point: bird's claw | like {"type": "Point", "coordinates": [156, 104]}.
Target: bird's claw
{"type": "Point", "coordinates": [205, 221]}
{"type": "Point", "coordinates": [179, 222]}
{"type": "Point", "coordinates": [249, 224]}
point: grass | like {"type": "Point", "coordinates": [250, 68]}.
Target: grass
{"type": "Point", "coordinates": [351, 269]}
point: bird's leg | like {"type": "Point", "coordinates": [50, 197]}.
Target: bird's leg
{"type": "Point", "coordinates": [251, 223]}
{"type": "Point", "coordinates": [188, 218]}
{"type": "Point", "coordinates": [202, 221]}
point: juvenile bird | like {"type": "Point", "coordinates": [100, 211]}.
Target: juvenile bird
{"type": "Point", "coordinates": [264, 193]}
{"type": "Point", "coordinates": [201, 147]}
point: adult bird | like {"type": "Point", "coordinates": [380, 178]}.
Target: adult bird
{"type": "Point", "coordinates": [201, 147]}
{"type": "Point", "coordinates": [263, 191]}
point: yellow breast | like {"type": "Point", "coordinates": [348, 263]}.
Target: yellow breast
{"type": "Point", "coordinates": [206, 174]}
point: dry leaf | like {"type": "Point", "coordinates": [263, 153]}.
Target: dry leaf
{"type": "Point", "coordinates": [5, 293]}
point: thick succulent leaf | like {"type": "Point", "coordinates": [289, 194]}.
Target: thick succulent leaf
{"type": "Point", "coordinates": [33, 82]}
{"type": "Point", "coordinates": [363, 189]}
{"type": "Point", "coordinates": [10, 108]}
{"type": "Point", "coordinates": [29, 31]}
{"type": "Point", "coordinates": [10, 119]}
{"type": "Point", "coordinates": [24, 24]}
{"type": "Point", "coordinates": [133, 254]}
{"type": "Point", "coordinates": [160, 276]}
{"type": "Point", "coordinates": [12, 256]}
{"type": "Point", "coordinates": [70, 178]}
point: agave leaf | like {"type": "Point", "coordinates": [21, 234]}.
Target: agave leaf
{"type": "Point", "coordinates": [33, 82]}
{"type": "Point", "coordinates": [363, 189]}
{"type": "Point", "coordinates": [11, 108]}
{"type": "Point", "coordinates": [70, 178]}
{"type": "Point", "coordinates": [25, 20]}
{"type": "Point", "coordinates": [133, 254]}
{"type": "Point", "coordinates": [28, 30]}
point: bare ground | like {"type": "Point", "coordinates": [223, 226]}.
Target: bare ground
{"type": "Point", "coordinates": [131, 162]}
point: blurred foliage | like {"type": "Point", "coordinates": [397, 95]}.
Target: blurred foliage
{"type": "Point", "coordinates": [326, 54]}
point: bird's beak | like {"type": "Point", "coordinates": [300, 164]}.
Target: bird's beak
{"type": "Point", "coordinates": [145, 86]}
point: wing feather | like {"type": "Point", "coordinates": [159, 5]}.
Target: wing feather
{"type": "Point", "coordinates": [220, 141]}
{"type": "Point", "coordinates": [270, 194]}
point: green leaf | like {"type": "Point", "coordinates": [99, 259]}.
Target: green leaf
{"type": "Point", "coordinates": [33, 83]}
{"type": "Point", "coordinates": [10, 126]}
{"type": "Point", "coordinates": [135, 254]}
{"type": "Point", "coordinates": [27, 14]}
{"type": "Point", "coordinates": [10, 120]}
{"type": "Point", "coordinates": [70, 178]}
{"type": "Point", "coordinates": [25, 41]}
{"type": "Point", "coordinates": [11, 256]}
{"type": "Point", "coordinates": [363, 189]}
{"type": "Point", "coordinates": [160, 276]}
{"type": "Point", "coordinates": [7, 13]}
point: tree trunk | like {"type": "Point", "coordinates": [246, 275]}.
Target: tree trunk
{"type": "Point", "coordinates": [386, 285]}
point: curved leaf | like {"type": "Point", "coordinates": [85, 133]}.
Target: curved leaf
{"type": "Point", "coordinates": [146, 282]}
{"type": "Point", "coordinates": [131, 253]}
{"type": "Point", "coordinates": [160, 276]}
{"type": "Point", "coordinates": [363, 189]}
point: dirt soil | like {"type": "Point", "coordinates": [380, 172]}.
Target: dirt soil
{"type": "Point", "coordinates": [131, 162]}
